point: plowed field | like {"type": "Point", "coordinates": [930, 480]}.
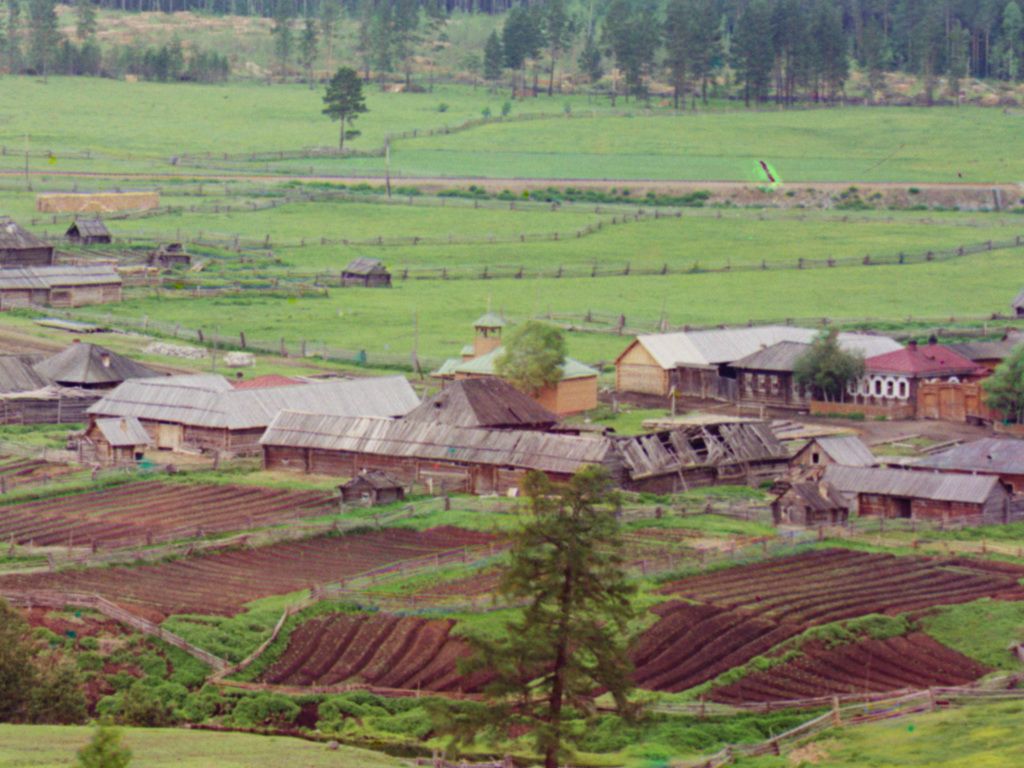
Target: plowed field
{"type": "Point", "coordinates": [743, 612]}
{"type": "Point", "coordinates": [913, 661]}
{"type": "Point", "coordinates": [149, 512]}
{"type": "Point", "coordinates": [221, 583]}
{"type": "Point", "coordinates": [381, 650]}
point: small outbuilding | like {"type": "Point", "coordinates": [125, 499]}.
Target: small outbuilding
{"type": "Point", "coordinates": [170, 256]}
{"type": "Point", "coordinates": [59, 286]}
{"type": "Point", "coordinates": [366, 273]}
{"type": "Point", "coordinates": [1001, 457]}
{"type": "Point", "coordinates": [88, 232]}
{"type": "Point", "coordinates": [20, 248]}
{"type": "Point", "coordinates": [117, 442]}
{"type": "Point", "coordinates": [486, 402]}
{"type": "Point", "coordinates": [90, 366]}
{"type": "Point", "coordinates": [809, 503]}
{"type": "Point", "coordinates": [846, 450]}
{"type": "Point", "coordinates": [371, 488]}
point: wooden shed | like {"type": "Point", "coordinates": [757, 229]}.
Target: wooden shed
{"type": "Point", "coordinates": [847, 450]}
{"type": "Point", "coordinates": [367, 273]}
{"type": "Point", "coordinates": [88, 232]}
{"type": "Point", "coordinates": [901, 493]}
{"type": "Point", "coordinates": [115, 442]}
{"type": "Point", "coordinates": [20, 248]}
{"type": "Point", "coordinates": [90, 366]}
{"type": "Point", "coordinates": [205, 412]}
{"type": "Point", "coordinates": [371, 488]}
{"type": "Point", "coordinates": [58, 286]}
{"type": "Point", "coordinates": [998, 457]}
{"type": "Point", "coordinates": [170, 256]}
{"type": "Point", "coordinates": [485, 402]}
{"type": "Point", "coordinates": [809, 503]}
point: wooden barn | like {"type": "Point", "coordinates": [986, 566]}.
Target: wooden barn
{"type": "Point", "coordinates": [900, 493]}
{"type": "Point", "coordinates": [987, 354]}
{"type": "Point", "coordinates": [114, 442]}
{"type": "Point", "coordinates": [58, 286]}
{"type": "Point", "coordinates": [366, 273]}
{"type": "Point", "coordinates": [170, 256]}
{"type": "Point", "coordinates": [90, 366]}
{"type": "Point", "coordinates": [20, 248]}
{"type": "Point", "coordinates": [809, 503]}
{"type": "Point", "coordinates": [88, 232]}
{"type": "Point", "coordinates": [701, 363]}
{"type": "Point", "coordinates": [437, 456]}
{"type": "Point", "coordinates": [487, 402]}
{"type": "Point", "coordinates": [995, 456]}
{"type": "Point", "coordinates": [846, 450]}
{"type": "Point", "coordinates": [371, 488]}
{"type": "Point", "coordinates": [206, 413]}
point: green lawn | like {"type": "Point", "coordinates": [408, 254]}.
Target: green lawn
{"type": "Point", "coordinates": [47, 746]}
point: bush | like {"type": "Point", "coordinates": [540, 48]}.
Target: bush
{"type": "Point", "coordinates": [142, 705]}
{"type": "Point", "coordinates": [506, 109]}
{"type": "Point", "coordinates": [265, 709]}
{"type": "Point", "coordinates": [200, 706]}
{"type": "Point", "coordinates": [442, 107]}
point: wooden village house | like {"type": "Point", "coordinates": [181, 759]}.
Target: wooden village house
{"type": "Point", "coordinates": [91, 367]}
{"type": "Point", "coordinates": [59, 286]}
{"type": "Point", "coordinates": [488, 402]}
{"type": "Point", "coordinates": [847, 450]}
{"type": "Point", "coordinates": [575, 392]}
{"type": "Point", "coordinates": [901, 493]}
{"type": "Point", "coordinates": [366, 273]}
{"type": "Point", "coordinates": [994, 456]}
{"type": "Point", "coordinates": [20, 248]}
{"type": "Point", "coordinates": [703, 363]}
{"type": "Point", "coordinates": [371, 488]}
{"type": "Point", "coordinates": [170, 256]}
{"type": "Point", "coordinates": [487, 460]}
{"type": "Point", "coordinates": [114, 442]}
{"type": "Point", "coordinates": [809, 503]}
{"type": "Point", "coordinates": [206, 413]}
{"type": "Point", "coordinates": [88, 232]}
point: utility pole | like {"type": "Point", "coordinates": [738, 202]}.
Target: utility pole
{"type": "Point", "coordinates": [28, 180]}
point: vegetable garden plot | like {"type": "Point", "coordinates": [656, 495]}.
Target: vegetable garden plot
{"type": "Point", "coordinates": [743, 612]}
{"type": "Point", "coordinates": [912, 661]}
{"type": "Point", "coordinates": [16, 471]}
{"type": "Point", "coordinates": [380, 650]}
{"type": "Point", "coordinates": [222, 583]}
{"type": "Point", "coordinates": [151, 512]}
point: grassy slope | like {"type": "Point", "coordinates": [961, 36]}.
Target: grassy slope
{"type": "Point", "coordinates": [52, 746]}
{"type": "Point", "coordinates": [983, 629]}
{"type": "Point", "coordinates": [978, 736]}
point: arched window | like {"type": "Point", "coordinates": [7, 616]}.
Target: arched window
{"type": "Point", "coordinates": [890, 387]}
{"type": "Point", "coordinates": [903, 389]}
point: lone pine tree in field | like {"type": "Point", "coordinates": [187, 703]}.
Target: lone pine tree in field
{"type": "Point", "coordinates": [104, 750]}
{"type": "Point", "coordinates": [345, 101]}
{"type": "Point", "coordinates": [569, 641]}
{"type": "Point", "coordinates": [532, 357]}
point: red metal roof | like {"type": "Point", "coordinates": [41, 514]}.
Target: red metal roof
{"type": "Point", "coordinates": [265, 382]}
{"type": "Point", "coordinates": [924, 360]}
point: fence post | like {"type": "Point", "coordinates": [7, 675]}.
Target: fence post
{"type": "Point", "coordinates": [837, 715]}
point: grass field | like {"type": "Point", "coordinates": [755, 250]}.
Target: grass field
{"type": "Point", "coordinates": [43, 746]}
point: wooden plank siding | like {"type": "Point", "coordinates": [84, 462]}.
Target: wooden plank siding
{"type": "Point", "coordinates": [637, 371]}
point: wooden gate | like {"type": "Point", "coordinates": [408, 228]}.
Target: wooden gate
{"type": "Point", "coordinates": [960, 402]}
{"type": "Point", "coordinates": [169, 436]}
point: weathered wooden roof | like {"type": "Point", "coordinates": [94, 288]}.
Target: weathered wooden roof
{"type": "Point", "coordinates": [486, 402]}
{"type": "Point", "coordinates": [123, 432]}
{"type": "Point", "coordinates": [211, 401]}
{"type": "Point", "coordinates": [714, 347]}
{"type": "Point", "coordinates": [781, 357]}
{"type": "Point", "coordinates": [489, 320]}
{"type": "Point", "coordinates": [374, 478]}
{"type": "Point", "coordinates": [848, 450]}
{"type": "Point", "coordinates": [935, 486]}
{"type": "Point", "coordinates": [990, 455]}
{"type": "Point", "coordinates": [89, 228]}
{"type": "Point", "coordinates": [700, 445]}
{"type": "Point", "coordinates": [485, 366]}
{"type": "Point", "coordinates": [820, 496]}
{"type": "Point", "coordinates": [57, 276]}
{"type": "Point", "coordinates": [82, 363]}
{"type": "Point", "coordinates": [17, 375]}
{"type": "Point", "coordinates": [15, 237]}
{"type": "Point", "coordinates": [365, 266]}
{"type": "Point", "coordinates": [404, 438]}
{"type": "Point", "coordinates": [985, 350]}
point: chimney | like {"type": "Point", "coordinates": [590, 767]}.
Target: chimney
{"type": "Point", "coordinates": [76, 341]}
{"type": "Point", "coordinates": [912, 345]}
{"type": "Point", "coordinates": [932, 340]}
{"type": "Point", "coordinates": [239, 375]}
{"type": "Point", "coordinates": [105, 359]}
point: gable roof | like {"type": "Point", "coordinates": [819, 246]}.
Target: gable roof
{"type": "Point", "coordinates": [57, 275]}
{"type": "Point", "coordinates": [994, 455]}
{"type": "Point", "coordinates": [847, 450]}
{"type": "Point", "coordinates": [714, 347]}
{"type": "Point", "coordinates": [89, 228]}
{"type": "Point", "coordinates": [123, 432]}
{"type": "Point", "coordinates": [18, 375]}
{"type": "Point", "coordinates": [489, 320]}
{"type": "Point", "coordinates": [935, 486]}
{"type": "Point", "coordinates": [266, 381]}
{"type": "Point", "coordinates": [210, 401]}
{"type": "Point", "coordinates": [486, 402]}
{"type": "Point", "coordinates": [15, 237]}
{"type": "Point", "coordinates": [81, 363]}
{"type": "Point", "coordinates": [778, 357]}
{"type": "Point", "coordinates": [985, 350]}
{"type": "Point", "coordinates": [374, 478]}
{"type": "Point", "coordinates": [1019, 300]}
{"type": "Point", "coordinates": [365, 266]}
{"type": "Point", "coordinates": [485, 366]}
{"type": "Point", "coordinates": [923, 360]}
{"type": "Point", "coordinates": [821, 497]}
{"type": "Point", "coordinates": [406, 438]}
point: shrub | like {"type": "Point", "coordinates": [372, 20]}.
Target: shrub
{"type": "Point", "coordinates": [200, 706]}
{"type": "Point", "coordinates": [265, 709]}
{"type": "Point", "coordinates": [442, 107]}
{"type": "Point", "coordinates": [506, 109]}
{"type": "Point", "coordinates": [141, 705]}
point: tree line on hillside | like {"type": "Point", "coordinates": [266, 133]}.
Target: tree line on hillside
{"type": "Point", "coordinates": [31, 42]}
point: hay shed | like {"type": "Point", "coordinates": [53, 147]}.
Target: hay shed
{"type": "Point", "coordinates": [20, 248]}
{"type": "Point", "coordinates": [371, 488]}
{"type": "Point", "coordinates": [366, 273]}
{"type": "Point", "coordinates": [88, 232]}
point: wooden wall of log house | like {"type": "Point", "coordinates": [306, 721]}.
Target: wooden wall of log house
{"type": "Point", "coordinates": [26, 257]}
{"type": "Point", "coordinates": [637, 371]}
